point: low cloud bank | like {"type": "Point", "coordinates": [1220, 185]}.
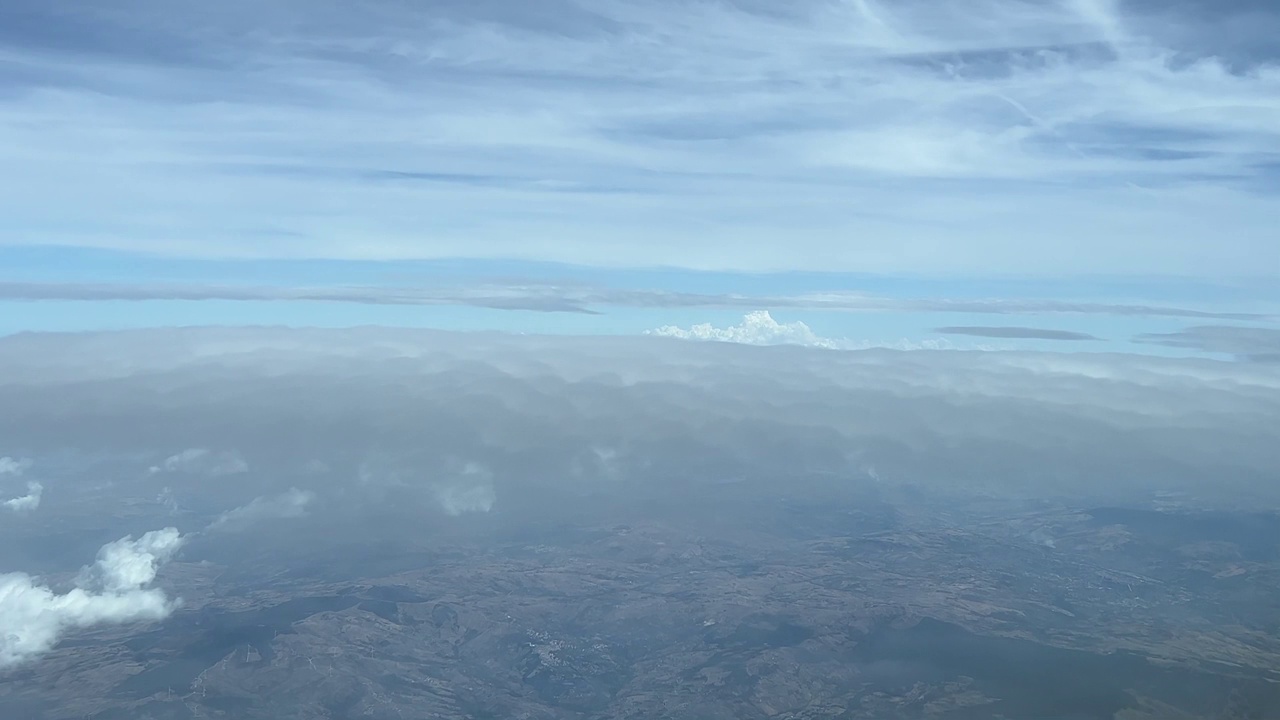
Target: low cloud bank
{"type": "Point", "coordinates": [396, 415]}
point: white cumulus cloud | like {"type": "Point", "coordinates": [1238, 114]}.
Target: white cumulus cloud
{"type": "Point", "coordinates": [33, 618]}
{"type": "Point", "coordinates": [470, 492]}
{"type": "Point", "coordinates": [28, 502]}
{"type": "Point", "coordinates": [201, 461]}
{"type": "Point", "coordinates": [757, 328]}
{"type": "Point", "coordinates": [760, 328]}
{"type": "Point", "coordinates": [291, 504]}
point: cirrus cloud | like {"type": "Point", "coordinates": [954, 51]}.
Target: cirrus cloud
{"type": "Point", "coordinates": [1024, 333]}
{"type": "Point", "coordinates": [1064, 136]}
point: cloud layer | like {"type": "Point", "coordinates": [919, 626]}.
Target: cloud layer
{"type": "Point", "coordinates": [33, 618]}
{"type": "Point", "coordinates": [396, 415]}
{"type": "Point", "coordinates": [1049, 137]}
{"type": "Point", "coordinates": [1250, 343]}
{"type": "Point", "coordinates": [578, 298]}
{"type": "Point", "coordinates": [1026, 333]}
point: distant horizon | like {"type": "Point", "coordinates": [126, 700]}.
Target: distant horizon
{"type": "Point", "coordinates": [664, 164]}
{"type": "Point", "coordinates": [639, 359]}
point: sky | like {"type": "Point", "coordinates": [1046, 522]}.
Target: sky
{"type": "Point", "coordinates": [1002, 174]}
{"type": "Point", "coordinates": [1052, 187]}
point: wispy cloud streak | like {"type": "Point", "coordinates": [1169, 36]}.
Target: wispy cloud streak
{"type": "Point", "coordinates": [1006, 135]}
{"type": "Point", "coordinates": [1025, 333]}
{"type": "Point", "coordinates": [586, 299]}
{"type": "Point", "coordinates": [1261, 344]}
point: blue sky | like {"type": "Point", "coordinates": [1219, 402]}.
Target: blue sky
{"type": "Point", "coordinates": [1106, 168]}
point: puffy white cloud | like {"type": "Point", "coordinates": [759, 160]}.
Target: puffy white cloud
{"type": "Point", "coordinates": [201, 461]}
{"type": "Point", "coordinates": [471, 491]}
{"type": "Point", "coordinates": [458, 500]}
{"type": "Point", "coordinates": [757, 328]}
{"type": "Point", "coordinates": [291, 504]}
{"type": "Point", "coordinates": [28, 502]}
{"type": "Point", "coordinates": [760, 328]}
{"type": "Point", "coordinates": [13, 466]}
{"type": "Point", "coordinates": [33, 618]}
{"type": "Point", "coordinates": [129, 564]}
